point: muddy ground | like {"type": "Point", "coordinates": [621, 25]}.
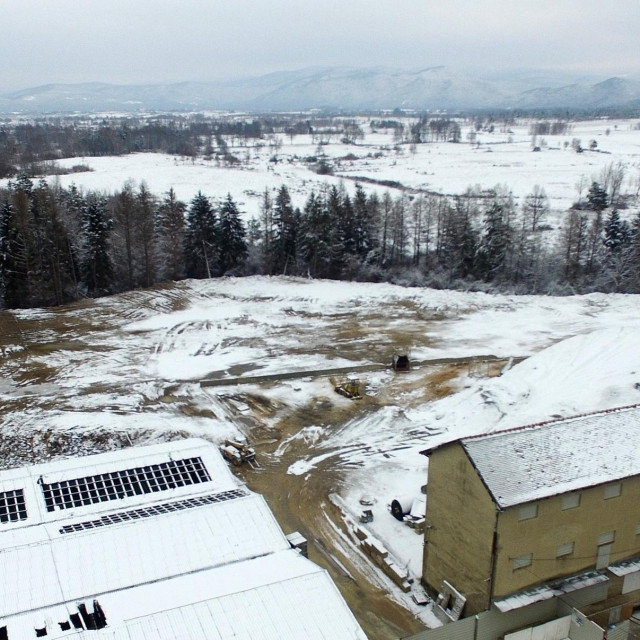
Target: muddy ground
{"type": "Point", "coordinates": [50, 364]}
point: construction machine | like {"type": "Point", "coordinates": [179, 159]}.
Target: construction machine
{"type": "Point", "coordinates": [349, 387]}
{"type": "Point", "coordinates": [238, 451]}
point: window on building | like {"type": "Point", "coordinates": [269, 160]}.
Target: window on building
{"type": "Point", "coordinates": [528, 511]}
{"type": "Point", "coordinates": [523, 561]}
{"type": "Point", "coordinates": [605, 546]}
{"type": "Point", "coordinates": [564, 549]}
{"type": "Point", "coordinates": [603, 556]}
{"type": "Point", "coordinates": [606, 538]}
{"type": "Point", "coordinates": [612, 490]}
{"type": "Point", "coordinates": [570, 501]}
{"type": "Point", "coordinates": [638, 530]}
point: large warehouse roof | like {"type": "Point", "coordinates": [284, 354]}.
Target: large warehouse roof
{"type": "Point", "coordinates": [161, 541]}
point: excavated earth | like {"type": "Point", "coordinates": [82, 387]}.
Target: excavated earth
{"type": "Point", "coordinates": [41, 352]}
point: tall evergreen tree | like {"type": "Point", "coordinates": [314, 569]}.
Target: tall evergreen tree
{"type": "Point", "coordinates": [597, 197]}
{"type": "Point", "coordinates": [315, 237]}
{"type": "Point", "coordinates": [201, 242]}
{"type": "Point", "coordinates": [283, 249]}
{"type": "Point", "coordinates": [633, 252]}
{"type": "Point", "coordinates": [21, 251]}
{"type": "Point", "coordinates": [146, 234]}
{"type": "Point", "coordinates": [492, 253]}
{"type": "Point", "coordinates": [232, 251]}
{"type": "Point", "coordinates": [616, 232]}
{"type": "Point", "coordinates": [56, 266]}
{"type": "Point", "coordinates": [170, 228]}
{"type": "Point", "coordinates": [365, 223]}
{"type": "Point", "coordinates": [96, 266]}
{"type": "Point", "coordinates": [123, 236]}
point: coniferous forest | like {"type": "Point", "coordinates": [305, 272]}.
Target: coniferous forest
{"type": "Point", "coordinates": [60, 244]}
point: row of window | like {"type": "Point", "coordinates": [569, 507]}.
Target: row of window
{"type": "Point", "coordinates": [605, 540]}
{"type": "Point", "coordinates": [569, 501]}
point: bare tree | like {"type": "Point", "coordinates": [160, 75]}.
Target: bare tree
{"type": "Point", "coordinates": [535, 208]}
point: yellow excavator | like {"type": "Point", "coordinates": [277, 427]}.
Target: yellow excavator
{"type": "Point", "coordinates": [238, 451]}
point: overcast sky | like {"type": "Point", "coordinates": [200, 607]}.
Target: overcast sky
{"type": "Point", "coordinates": [134, 41]}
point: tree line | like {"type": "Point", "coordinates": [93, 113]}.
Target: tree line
{"type": "Point", "coordinates": [58, 245]}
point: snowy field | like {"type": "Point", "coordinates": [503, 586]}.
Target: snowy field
{"type": "Point", "coordinates": [503, 157]}
{"type": "Point", "coordinates": [130, 365]}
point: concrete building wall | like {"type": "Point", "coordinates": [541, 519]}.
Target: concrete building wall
{"type": "Point", "coordinates": [601, 529]}
{"type": "Point", "coordinates": [460, 522]}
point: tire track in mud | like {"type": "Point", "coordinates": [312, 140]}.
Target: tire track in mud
{"type": "Point", "coordinates": [300, 504]}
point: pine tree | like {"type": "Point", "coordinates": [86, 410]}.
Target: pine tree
{"type": "Point", "coordinates": [492, 254]}
{"type": "Point", "coordinates": [145, 234]}
{"type": "Point", "coordinates": [170, 228]}
{"type": "Point", "coordinates": [96, 266]}
{"type": "Point", "coordinates": [268, 233]}
{"type": "Point", "coordinates": [201, 242]}
{"type": "Point", "coordinates": [56, 269]}
{"type": "Point", "coordinates": [574, 239]}
{"type": "Point", "coordinates": [597, 197]}
{"type": "Point", "coordinates": [123, 236]}
{"type": "Point", "coordinates": [9, 284]}
{"type": "Point", "coordinates": [283, 249]}
{"type": "Point", "coordinates": [20, 245]}
{"type": "Point", "coordinates": [232, 251]}
{"type": "Point", "coordinates": [633, 254]}
{"type": "Point", "coordinates": [315, 237]}
{"type": "Point", "coordinates": [365, 224]}
{"type": "Point", "coordinates": [616, 232]}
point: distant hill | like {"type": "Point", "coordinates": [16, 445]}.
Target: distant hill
{"type": "Point", "coordinates": [338, 88]}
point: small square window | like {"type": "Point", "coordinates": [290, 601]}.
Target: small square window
{"type": "Point", "coordinates": [564, 550]}
{"type": "Point", "coordinates": [606, 538]}
{"type": "Point", "coordinates": [570, 501]}
{"type": "Point", "coordinates": [612, 490]}
{"type": "Point", "coordinates": [528, 511]}
{"type": "Point", "coordinates": [523, 561]}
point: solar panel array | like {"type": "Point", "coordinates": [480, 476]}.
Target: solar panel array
{"type": "Point", "coordinates": [147, 512]}
{"type": "Point", "coordinates": [115, 485]}
{"type": "Point", "coordinates": [12, 506]}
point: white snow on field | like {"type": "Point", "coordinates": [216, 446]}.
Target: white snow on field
{"type": "Point", "coordinates": [584, 357]}
{"type": "Point", "coordinates": [503, 157]}
{"type": "Point", "coordinates": [588, 372]}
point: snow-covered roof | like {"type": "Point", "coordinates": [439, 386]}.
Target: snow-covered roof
{"type": "Point", "coordinates": [165, 561]}
{"type": "Point", "coordinates": [625, 567]}
{"type": "Point", "coordinates": [547, 591]}
{"type": "Point", "coordinates": [538, 461]}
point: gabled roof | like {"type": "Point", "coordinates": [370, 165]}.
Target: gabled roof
{"type": "Point", "coordinates": [534, 462]}
{"type": "Point", "coordinates": [167, 541]}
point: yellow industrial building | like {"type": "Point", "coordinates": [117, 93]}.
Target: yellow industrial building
{"type": "Point", "coordinates": [550, 510]}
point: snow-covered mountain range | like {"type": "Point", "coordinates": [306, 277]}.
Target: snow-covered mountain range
{"type": "Point", "coordinates": [341, 88]}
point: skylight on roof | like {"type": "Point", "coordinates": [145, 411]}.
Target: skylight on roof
{"type": "Point", "coordinates": [154, 510]}
{"type": "Point", "coordinates": [116, 485]}
{"type": "Point", "coordinates": [12, 506]}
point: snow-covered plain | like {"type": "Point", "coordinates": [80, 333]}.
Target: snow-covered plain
{"type": "Point", "coordinates": [503, 157]}
{"type": "Point", "coordinates": [130, 364]}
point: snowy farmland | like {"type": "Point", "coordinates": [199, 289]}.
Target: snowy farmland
{"type": "Point", "coordinates": [503, 156]}
{"type": "Point", "coordinates": [176, 360]}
